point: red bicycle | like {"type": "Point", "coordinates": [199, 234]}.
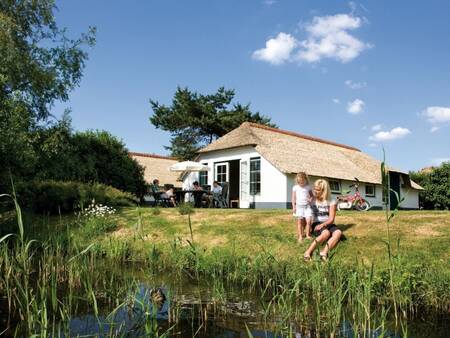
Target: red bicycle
{"type": "Point", "coordinates": [356, 201]}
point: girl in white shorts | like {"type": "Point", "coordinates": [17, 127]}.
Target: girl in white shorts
{"type": "Point", "coordinates": [302, 197]}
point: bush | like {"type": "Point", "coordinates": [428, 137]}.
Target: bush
{"type": "Point", "coordinates": [436, 184]}
{"type": "Point", "coordinates": [185, 208]}
{"type": "Point", "coordinates": [90, 156]}
{"type": "Point", "coordinates": [156, 211]}
{"type": "Point", "coordinates": [58, 196]}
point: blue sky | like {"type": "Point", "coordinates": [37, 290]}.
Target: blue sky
{"type": "Point", "coordinates": [366, 73]}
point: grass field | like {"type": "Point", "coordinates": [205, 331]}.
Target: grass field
{"type": "Point", "coordinates": [61, 258]}
{"type": "Point", "coordinates": [424, 235]}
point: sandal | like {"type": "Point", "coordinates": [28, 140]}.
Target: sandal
{"type": "Point", "coordinates": [307, 258]}
{"type": "Point", "coordinates": [323, 256]}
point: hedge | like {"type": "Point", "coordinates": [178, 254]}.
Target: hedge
{"type": "Point", "coordinates": [67, 196]}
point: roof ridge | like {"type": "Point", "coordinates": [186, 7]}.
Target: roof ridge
{"type": "Point", "coordinates": [151, 155]}
{"type": "Point", "coordinates": [291, 133]}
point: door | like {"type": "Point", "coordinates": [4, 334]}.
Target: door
{"type": "Point", "coordinates": [245, 186]}
{"type": "Point", "coordinates": [233, 178]}
{"type": "Point", "coordinates": [394, 185]}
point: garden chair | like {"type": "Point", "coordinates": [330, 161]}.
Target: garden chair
{"type": "Point", "coordinates": [159, 200]}
{"type": "Point", "coordinates": [222, 199]}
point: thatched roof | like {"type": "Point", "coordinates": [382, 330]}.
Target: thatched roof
{"type": "Point", "coordinates": [291, 153]}
{"type": "Point", "coordinates": [157, 166]}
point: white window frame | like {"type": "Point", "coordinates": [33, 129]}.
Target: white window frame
{"type": "Point", "coordinates": [250, 176]}
{"type": "Point", "coordinates": [374, 190]}
{"type": "Point", "coordinates": [335, 191]}
{"type": "Point", "coordinates": [200, 173]}
{"type": "Point", "coordinates": [227, 171]}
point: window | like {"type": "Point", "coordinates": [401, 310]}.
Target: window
{"type": "Point", "coordinates": [203, 177]}
{"type": "Point", "coordinates": [370, 190]}
{"type": "Point", "coordinates": [255, 176]}
{"type": "Point", "coordinates": [335, 186]}
{"type": "Point", "coordinates": [221, 172]}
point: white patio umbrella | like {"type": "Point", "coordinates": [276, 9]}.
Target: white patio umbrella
{"type": "Point", "coordinates": [188, 166]}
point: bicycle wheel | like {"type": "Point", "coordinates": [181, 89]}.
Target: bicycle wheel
{"type": "Point", "coordinates": [362, 205]}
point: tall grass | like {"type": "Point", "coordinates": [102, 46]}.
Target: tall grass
{"type": "Point", "coordinates": [46, 283]}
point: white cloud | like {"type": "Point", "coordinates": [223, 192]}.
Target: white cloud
{"type": "Point", "coordinates": [434, 129]}
{"type": "Point", "coordinates": [278, 50]}
{"type": "Point", "coordinates": [337, 101]}
{"type": "Point", "coordinates": [376, 127]}
{"type": "Point", "coordinates": [438, 161]}
{"type": "Point", "coordinates": [355, 106]}
{"type": "Point", "coordinates": [437, 116]}
{"type": "Point", "coordinates": [373, 145]}
{"type": "Point", "coordinates": [355, 85]}
{"type": "Point", "coordinates": [327, 37]}
{"type": "Point", "coordinates": [393, 134]}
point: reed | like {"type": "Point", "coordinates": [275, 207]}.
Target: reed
{"type": "Point", "coordinates": [78, 269]}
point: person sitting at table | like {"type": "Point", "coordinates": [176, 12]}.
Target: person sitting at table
{"type": "Point", "coordinates": [216, 192]}
{"type": "Point", "coordinates": [164, 194]}
{"type": "Point", "coordinates": [198, 194]}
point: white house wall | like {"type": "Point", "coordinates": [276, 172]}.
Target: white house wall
{"type": "Point", "coordinates": [276, 187]}
{"type": "Point", "coordinates": [411, 197]}
{"type": "Point", "coordinates": [273, 182]}
{"type": "Point", "coordinates": [375, 201]}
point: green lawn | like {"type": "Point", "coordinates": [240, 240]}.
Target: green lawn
{"type": "Point", "coordinates": [423, 235]}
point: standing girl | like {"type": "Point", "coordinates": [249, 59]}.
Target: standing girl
{"type": "Point", "coordinates": [323, 227]}
{"type": "Point", "coordinates": [301, 205]}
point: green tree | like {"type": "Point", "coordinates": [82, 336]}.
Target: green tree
{"type": "Point", "coordinates": [103, 158]}
{"type": "Point", "coordinates": [195, 120]}
{"type": "Point", "coordinates": [90, 156]}
{"type": "Point", "coordinates": [39, 65]}
{"type": "Point", "coordinates": [436, 184]}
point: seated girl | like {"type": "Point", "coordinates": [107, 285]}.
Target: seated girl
{"type": "Point", "coordinates": [324, 228]}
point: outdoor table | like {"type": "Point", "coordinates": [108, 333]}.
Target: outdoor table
{"type": "Point", "coordinates": [181, 193]}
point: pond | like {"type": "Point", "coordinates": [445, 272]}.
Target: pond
{"type": "Point", "coordinates": [171, 306]}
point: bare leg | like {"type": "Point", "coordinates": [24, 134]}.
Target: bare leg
{"type": "Point", "coordinates": [303, 227]}
{"type": "Point", "coordinates": [319, 240]}
{"type": "Point", "coordinates": [308, 228]}
{"type": "Point", "coordinates": [300, 229]}
{"type": "Point", "coordinates": [332, 242]}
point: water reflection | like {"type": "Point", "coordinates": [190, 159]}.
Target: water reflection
{"type": "Point", "coordinates": [187, 310]}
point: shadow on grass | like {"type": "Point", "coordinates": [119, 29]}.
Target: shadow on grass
{"type": "Point", "coordinates": [345, 227]}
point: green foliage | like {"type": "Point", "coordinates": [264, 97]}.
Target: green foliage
{"type": "Point", "coordinates": [38, 66]}
{"type": "Point", "coordinates": [185, 208]}
{"type": "Point", "coordinates": [98, 225]}
{"type": "Point", "coordinates": [156, 211]}
{"type": "Point", "coordinates": [195, 120]}
{"type": "Point", "coordinates": [90, 156]}
{"type": "Point", "coordinates": [58, 196]}
{"type": "Point", "coordinates": [436, 184]}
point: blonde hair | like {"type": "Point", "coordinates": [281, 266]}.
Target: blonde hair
{"type": "Point", "coordinates": [324, 187]}
{"type": "Point", "coordinates": [302, 178]}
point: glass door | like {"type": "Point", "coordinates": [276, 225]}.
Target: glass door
{"type": "Point", "coordinates": [244, 186]}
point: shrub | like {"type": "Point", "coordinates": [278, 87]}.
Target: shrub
{"type": "Point", "coordinates": [185, 208]}
{"type": "Point", "coordinates": [156, 211]}
{"type": "Point", "coordinates": [436, 184]}
{"type": "Point", "coordinates": [96, 218]}
{"type": "Point", "coordinates": [58, 196]}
